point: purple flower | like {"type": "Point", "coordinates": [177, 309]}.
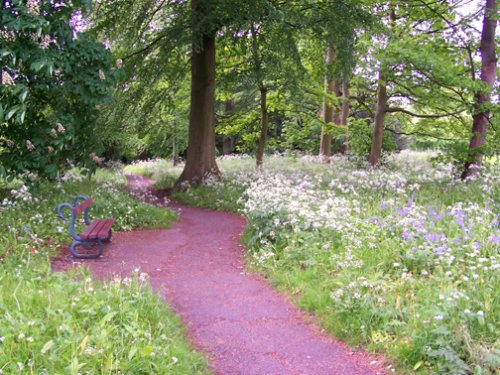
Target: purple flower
{"type": "Point", "coordinates": [441, 249]}
{"type": "Point", "coordinates": [476, 245]}
{"type": "Point", "coordinates": [404, 211]}
{"type": "Point", "coordinates": [495, 239]}
{"type": "Point", "coordinates": [405, 235]}
{"type": "Point", "coordinates": [439, 216]}
{"type": "Point", "coordinates": [433, 237]}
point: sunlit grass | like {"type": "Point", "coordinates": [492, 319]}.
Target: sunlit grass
{"type": "Point", "coordinates": [67, 323]}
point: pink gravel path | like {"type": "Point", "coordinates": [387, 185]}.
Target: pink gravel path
{"type": "Point", "coordinates": [236, 318]}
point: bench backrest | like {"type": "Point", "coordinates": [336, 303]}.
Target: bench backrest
{"type": "Point", "coordinates": [82, 206]}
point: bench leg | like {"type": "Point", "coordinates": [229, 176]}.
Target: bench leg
{"type": "Point", "coordinates": [86, 245]}
{"type": "Point", "coordinates": [110, 233]}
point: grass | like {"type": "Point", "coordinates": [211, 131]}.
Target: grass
{"type": "Point", "coordinates": [403, 260]}
{"type": "Point", "coordinates": [67, 323]}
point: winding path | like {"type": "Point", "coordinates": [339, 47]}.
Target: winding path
{"type": "Point", "coordinates": [236, 318]}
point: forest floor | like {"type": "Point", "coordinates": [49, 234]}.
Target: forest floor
{"type": "Point", "coordinates": [241, 323]}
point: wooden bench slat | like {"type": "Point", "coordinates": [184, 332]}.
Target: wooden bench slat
{"type": "Point", "coordinates": [99, 228]}
{"type": "Point", "coordinates": [82, 206]}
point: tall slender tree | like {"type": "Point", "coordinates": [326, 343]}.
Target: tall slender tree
{"type": "Point", "coordinates": [481, 115]}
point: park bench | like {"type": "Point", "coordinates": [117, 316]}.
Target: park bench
{"type": "Point", "coordinates": [96, 232]}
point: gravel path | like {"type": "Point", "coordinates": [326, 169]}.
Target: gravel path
{"type": "Point", "coordinates": [236, 318]}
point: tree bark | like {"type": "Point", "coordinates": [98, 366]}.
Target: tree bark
{"type": "Point", "coordinates": [265, 124]}
{"type": "Point", "coordinates": [378, 122]}
{"type": "Point", "coordinates": [481, 116]}
{"type": "Point", "coordinates": [345, 113]}
{"type": "Point", "coordinates": [228, 141]}
{"type": "Point", "coordinates": [325, 149]}
{"type": "Point", "coordinates": [381, 109]}
{"type": "Point", "coordinates": [200, 160]}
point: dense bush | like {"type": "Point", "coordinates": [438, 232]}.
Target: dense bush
{"type": "Point", "coordinates": [53, 77]}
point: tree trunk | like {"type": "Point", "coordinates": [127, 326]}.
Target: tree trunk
{"type": "Point", "coordinates": [345, 113]}
{"type": "Point", "coordinates": [325, 149]}
{"type": "Point", "coordinates": [228, 141]}
{"type": "Point", "coordinates": [378, 123]}
{"type": "Point", "coordinates": [381, 109]}
{"type": "Point", "coordinates": [265, 124]}
{"type": "Point", "coordinates": [481, 116]}
{"type": "Point", "coordinates": [200, 160]}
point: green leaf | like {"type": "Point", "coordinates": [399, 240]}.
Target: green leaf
{"type": "Point", "coordinates": [132, 352]}
{"type": "Point", "coordinates": [23, 95]}
{"type": "Point", "coordinates": [108, 317]}
{"type": "Point", "coordinates": [37, 65]}
{"type": "Point", "coordinates": [47, 346]}
{"type": "Point", "coordinates": [83, 344]}
{"type": "Point", "coordinates": [12, 112]}
{"type": "Point", "coordinates": [22, 114]}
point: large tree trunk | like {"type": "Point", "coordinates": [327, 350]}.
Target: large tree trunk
{"type": "Point", "coordinates": [265, 124]}
{"type": "Point", "coordinates": [200, 160]}
{"type": "Point", "coordinates": [345, 113]}
{"type": "Point", "coordinates": [481, 116]}
{"type": "Point", "coordinates": [378, 123]}
{"type": "Point", "coordinates": [325, 149]}
{"type": "Point", "coordinates": [228, 141]}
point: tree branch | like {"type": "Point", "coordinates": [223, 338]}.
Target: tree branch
{"type": "Point", "coordinates": [402, 110]}
{"type": "Point", "coordinates": [422, 134]}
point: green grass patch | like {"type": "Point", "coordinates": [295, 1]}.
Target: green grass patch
{"type": "Point", "coordinates": [67, 323]}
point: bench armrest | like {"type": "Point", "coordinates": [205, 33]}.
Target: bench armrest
{"type": "Point", "coordinates": [60, 212]}
{"type": "Point", "coordinates": [86, 212]}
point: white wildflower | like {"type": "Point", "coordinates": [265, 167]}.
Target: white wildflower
{"type": "Point", "coordinates": [60, 128]}
{"type": "Point", "coordinates": [30, 145]}
{"type": "Point", "coordinates": [7, 79]}
{"type": "Point", "coordinates": [45, 41]}
{"type": "Point", "coordinates": [33, 7]}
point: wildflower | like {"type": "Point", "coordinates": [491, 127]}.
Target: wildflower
{"type": "Point", "coordinates": [50, 149]}
{"type": "Point", "coordinates": [438, 318]}
{"type": "Point", "coordinates": [480, 313]}
{"type": "Point", "coordinates": [60, 128]}
{"type": "Point", "coordinates": [30, 339]}
{"type": "Point", "coordinates": [2, 339]}
{"type": "Point", "coordinates": [119, 63]}
{"type": "Point", "coordinates": [45, 41]}
{"type": "Point", "coordinates": [21, 336]}
{"type": "Point", "coordinates": [495, 239]}
{"type": "Point", "coordinates": [33, 7]}
{"type": "Point", "coordinates": [175, 360]}
{"type": "Point", "coordinates": [8, 36]}
{"type": "Point", "coordinates": [467, 311]}
{"type": "Point", "coordinates": [102, 76]}
{"type": "Point", "coordinates": [30, 145]}
{"type": "Point", "coordinates": [53, 133]}
{"type": "Point", "coordinates": [9, 143]}
{"type": "Point", "coordinates": [7, 79]}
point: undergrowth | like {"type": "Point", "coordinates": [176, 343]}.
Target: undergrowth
{"type": "Point", "coordinates": [68, 323]}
